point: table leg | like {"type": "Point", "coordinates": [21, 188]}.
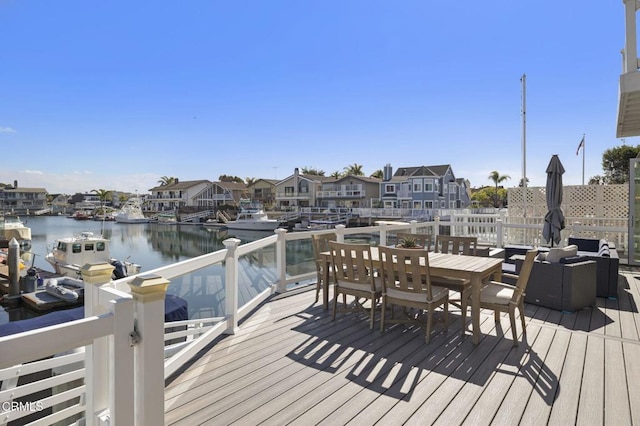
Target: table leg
{"type": "Point", "coordinates": [476, 285]}
{"type": "Point", "coordinates": [325, 285]}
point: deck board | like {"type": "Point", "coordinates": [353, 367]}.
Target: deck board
{"type": "Point", "coordinates": [289, 363]}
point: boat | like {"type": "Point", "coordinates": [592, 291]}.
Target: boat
{"type": "Point", "coordinates": [71, 253]}
{"type": "Point", "coordinates": [168, 218]}
{"type": "Point", "coordinates": [12, 227]}
{"type": "Point", "coordinates": [253, 219]}
{"type": "Point", "coordinates": [131, 212]}
{"type": "Point", "coordinates": [66, 292]}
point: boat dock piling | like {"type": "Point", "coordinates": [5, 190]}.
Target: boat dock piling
{"type": "Point", "coordinates": [13, 263]}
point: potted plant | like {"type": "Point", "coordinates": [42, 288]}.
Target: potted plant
{"type": "Point", "coordinates": [408, 242]}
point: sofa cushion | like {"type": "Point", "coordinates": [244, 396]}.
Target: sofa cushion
{"type": "Point", "coordinates": [557, 253]}
{"type": "Point", "coordinates": [585, 244]}
{"type": "Point", "coordinates": [604, 249]}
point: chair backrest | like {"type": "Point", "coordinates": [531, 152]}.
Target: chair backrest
{"type": "Point", "coordinates": [456, 245]}
{"type": "Point", "coordinates": [405, 270]}
{"type": "Point", "coordinates": [525, 273]}
{"type": "Point", "coordinates": [423, 240]}
{"type": "Point", "coordinates": [321, 243]}
{"type": "Point", "coordinates": [352, 264]}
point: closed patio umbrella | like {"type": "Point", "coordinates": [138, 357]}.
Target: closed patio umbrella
{"type": "Point", "coordinates": [554, 219]}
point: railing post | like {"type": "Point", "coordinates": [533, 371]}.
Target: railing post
{"type": "Point", "coordinates": [148, 292]}
{"type": "Point", "coordinates": [281, 260]}
{"type": "Point", "coordinates": [340, 233]}
{"type": "Point", "coordinates": [97, 354]}
{"type": "Point", "coordinates": [122, 365]}
{"type": "Point", "coordinates": [414, 226]}
{"type": "Point", "coordinates": [231, 284]}
{"type": "Point", "coordinates": [383, 234]}
{"type": "Point", "coordinates": [436, 227]}
{"type": "Point", "coordinates": [499, 234]}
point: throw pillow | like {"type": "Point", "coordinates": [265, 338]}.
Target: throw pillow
{"type": "Point", "coordinates": [557, 253]}
{"type": "Point", "coordinates": [541, 257]}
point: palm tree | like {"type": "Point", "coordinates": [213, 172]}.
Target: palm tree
{"type": "Point", "coordinates": [103, 194]}
{"type": "Point", "coordinates": [336, 175]}
{"type": "Point", "coordinates": [250, 180]}
{"type": "Point", "coordinates": [166, 180]}
{"type": "Point", "coordinates": [354, 169]}
{"type": "Point", "coordinates": [312, 171]}
{"type": "Point", "coordinates": [377, 174]}
{"type": "Point", "coordinates": [497, 178]}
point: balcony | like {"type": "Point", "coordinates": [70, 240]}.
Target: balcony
{"type": "Point", "coordinates": [357, 193]}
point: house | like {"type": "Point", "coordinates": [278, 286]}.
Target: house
{"type": "Point", "coordinates": [175, 195]}
{"type": "Point", "coordinates": [348, 191]}
{"type": "Point", "coordinates": [263, 191]}
{"type": "Point", "coordinates": [423, 187]}
{"type": "Point", "coordinates": [22, 200]}
{"type": "Point", "coordinates": [216, 194]}
{"type": "Point", "coordinates": [299, 190]}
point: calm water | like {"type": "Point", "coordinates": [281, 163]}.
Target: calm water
{"type": "Point", "coordinates": [155, 245]}
{"type": "Point", "coordinates": [148, 244]}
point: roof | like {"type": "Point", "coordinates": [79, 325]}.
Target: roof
{"type": "Point", "coordinates": [179, 185]}
{"type": "Point", "coordinates": [231, 185]}
{"type": "Point", "coordinates": [435, 171]}
{"type": "Point", "coordinates": [38, 190]}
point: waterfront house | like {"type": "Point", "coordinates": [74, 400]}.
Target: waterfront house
{"type": "Point", "coordinates": [263, 191]}
{"type": "Point", "coordinates": [423, 187]}
{"type": "Point", "coordinates": [22, 200]}
{"type": "Point", "coordinates": [175, 195]}
{"type": "Point", "coordinates": [348, 191]}
{"type": "Point", "coordinates": [299, 190]}
{"type": "Point", "coordinates": [216, 194]}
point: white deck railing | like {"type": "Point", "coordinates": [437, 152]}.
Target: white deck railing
{"type": "Point", "coordinates": [119, 344]}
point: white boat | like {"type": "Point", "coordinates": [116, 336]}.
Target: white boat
{"type": "Point", "coordinates": [12, 227]}
{"type": "Point", "coordinates": [169, 218]}
{"type": "Point", "coordinates": [253, 220]}
{"type": "Point", "coordinates": [131, 212]}
{"type": "Point", "coordinates": [70, 254]}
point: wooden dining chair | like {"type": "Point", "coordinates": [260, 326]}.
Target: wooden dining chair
{"type": "Point", "coordinates": [421, 240]}
{"type": "Point", "coordinates": [501, 297]}
{"type": "Point", "coordinates": [354, 275]}
{"type": "Point", "coordinates": [407, 283]}
{"type": "Point", "coordinates": [321, 244]}
{"type": "Point", "coordinates": [457, 245]}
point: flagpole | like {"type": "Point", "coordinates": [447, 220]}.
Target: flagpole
{"type": "Point", "coordinates": [584, 148]}
{"type": "Point", "coordinates": [524, 142]}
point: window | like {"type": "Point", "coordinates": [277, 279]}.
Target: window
{"type": "Point", "coordinates": [417, 204]}
{"type": "Point", "coordinates": [76, 248]}
{"type": "Point", "coordinates": [428, 185]}
{"type": "Point", "coordinates": [101, 246]}
{"type": "Point", "coordinates": [452, 204]}
{"type": "Point", "coordinates": [389, 189]}
{"type": "Point", "coordinates": [428, 204]}
{"type": "Point", "coordinates": [417, 186]}
{"type": "Point", "coordinates": [88, 247]}
{"type": "Point", "coordinates": [288, 190]}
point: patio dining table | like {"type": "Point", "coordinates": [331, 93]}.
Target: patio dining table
{"type": "Point", "coordinates": [475, 269]}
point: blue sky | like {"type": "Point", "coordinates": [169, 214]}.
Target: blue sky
{"type": "Point", "coordinates": [116, 94]}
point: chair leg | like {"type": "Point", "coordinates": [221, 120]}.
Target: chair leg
{"type": "Point", "coordinates": [318, 290]}
{"type": "Point", "coordinates": [373, 313]}
{"type": "Point", "coordinates": [512, 318]}
{"type": "Point", "coordinates": [429, 323]}
{"type": "Point", "coordinates": [521, 309]}
{"type": "Point", "coordinates": [496, 315]}
{"type": "Point", "coordinates": [335, 303]}
{"type": "Point", "coordinates": [446, 316]}
{"type": "Point", "coordinates": [384, 306]}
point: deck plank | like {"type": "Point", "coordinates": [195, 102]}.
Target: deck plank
{"type": "Point", "coordinates": [289, 363]}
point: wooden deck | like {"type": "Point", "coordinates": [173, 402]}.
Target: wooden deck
{"type": "Point", "coordinates": [290, 364]}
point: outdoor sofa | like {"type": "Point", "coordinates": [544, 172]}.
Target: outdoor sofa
{"type": "Point", "coordinates": [565, 282]}
{"type": "Point", "coordinates": [607, 260]}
